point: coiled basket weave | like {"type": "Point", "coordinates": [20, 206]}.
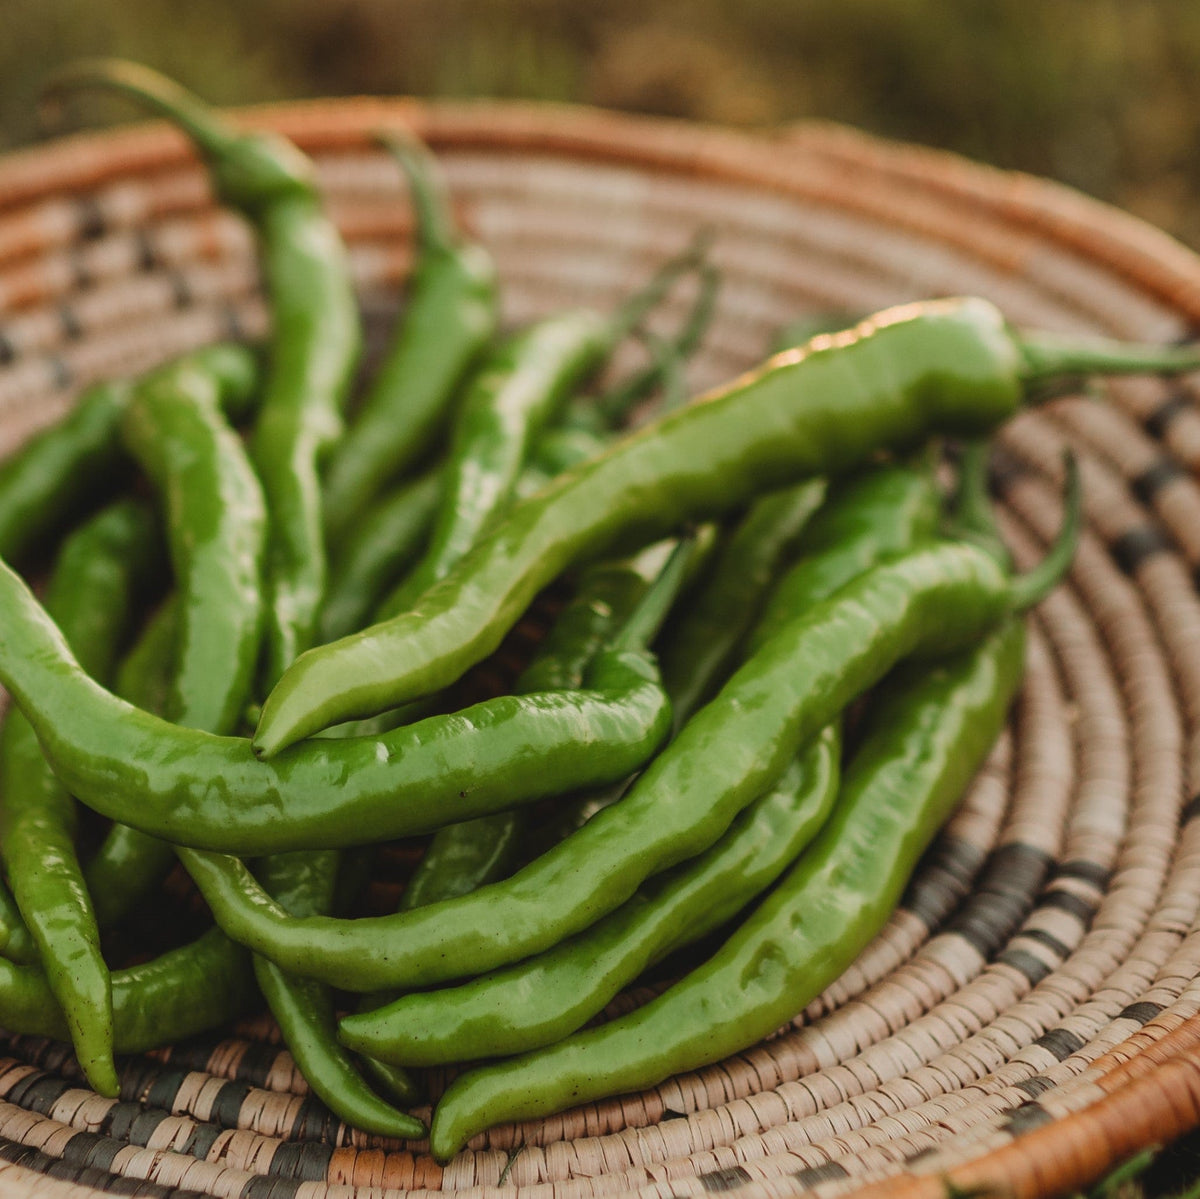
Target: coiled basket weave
{"type": "Point", "coordinates": [1029, 1017]}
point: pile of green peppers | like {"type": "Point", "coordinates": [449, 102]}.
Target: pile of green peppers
{"type": "Point", "coordinates": [248, 666]}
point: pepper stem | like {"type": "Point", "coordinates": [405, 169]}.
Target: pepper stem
{"type": "Point", "coordinates": [436, 230]}
{"type": "Point", "coordinates": [634, 310]}
{"type": "Point", "coordinates": [1049, 358]}
{"type": "Point", "coordinates": [158, 93]}
{"type": "Point", "coordinates": [971, 517]}
{"type": "Point", "coordinates": [644, 622]}
{"type": "Point", "coordinates": [1033, 586]}
{"type": "Point", "coordinates": [667, 355]}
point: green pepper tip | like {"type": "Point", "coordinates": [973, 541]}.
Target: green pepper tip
{"type": "Point", "coordinates": [143, 84]}
{"type": "Point", "coordinates": [436, 231]}
{"type": "Point", "coordinates": [1033, 586]}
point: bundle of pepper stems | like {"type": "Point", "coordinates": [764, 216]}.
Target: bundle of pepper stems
{"type": "Point", "coordinates": [668, 769]}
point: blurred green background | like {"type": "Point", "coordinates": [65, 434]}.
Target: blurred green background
{"type": "Point", "coordinates": [1103, 94]}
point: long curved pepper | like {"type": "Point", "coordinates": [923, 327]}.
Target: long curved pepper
{"type": "Point", "coordinates": [544, 998]}
{"type": "Point", "coordinates": [923, 604]}
{"type": "Point", "coordinates": [519, 390]}
{"type": "Point", "coordinates": [951, 366]}
{"type": "Point", "coordinates": [925, 740]}
{"type": "Point", "coordinates": [93, 591]}
{"type": "Point", "coordinates": [216, 528]}
{"type": "Point", "coordinates": [315, 338]}
{"type": "Point", "coordinates": [451, 316]}
{"type": "Point", "coordinates": [193, 788]}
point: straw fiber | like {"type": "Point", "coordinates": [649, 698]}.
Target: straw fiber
{"type": "Point", "coordinates": [1031, 1014]}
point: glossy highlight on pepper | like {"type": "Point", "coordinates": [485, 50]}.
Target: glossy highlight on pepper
{"type": "Point", "coordinates": [211, 792]}
{"type": "Point", "coordinates": [951, 366]}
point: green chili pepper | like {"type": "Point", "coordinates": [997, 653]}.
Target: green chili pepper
{"type": "Point", "coordinates": [924, 603]}
{"type": "Point", "coordinates": [516, 393]}
{"type": "Point", "coordinates": [315, 340]}
{"type": "Point", "coordinates": [94, 588]}
{"type": "Point", "coordinates": [194, 788]}
{"type": "Point", "coordinates": [216, 526]}
{"type": "Point", "coordinates": [549, 996]}
{"type": "Point", "coordinates": [884, 511]}
{"type": "Point", "coordinates": [924, 742]}
{"type": "Point", "coordinates": [173, 426]}
{"type": "Point", "coordinates": [949, 365]}
{"type": "Point", "coordinates": [449, 320]}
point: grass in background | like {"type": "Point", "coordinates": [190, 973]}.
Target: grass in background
{"type": "Point", "coordinates": [1102, 94]}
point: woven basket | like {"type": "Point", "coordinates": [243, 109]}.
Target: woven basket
{"type": "Point", "coordinates": [1028, 1017]}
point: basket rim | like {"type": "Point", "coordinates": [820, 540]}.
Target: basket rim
{"type": "Point", "coordinates": [1132, 247]}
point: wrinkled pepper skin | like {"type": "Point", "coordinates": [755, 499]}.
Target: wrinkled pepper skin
{"type": "Point", "coordinates": [93, 592]}
{"type": "Point", "coordinates": [194, 788]}
{"type": "Point", "coordinates": [926, 738]}
{"type": "Point", "coordinates": [921, 605]}
{"type": "Point", "coordinates": [949, 366]}
{"type": "Point", "coordinates": [541, 1000]}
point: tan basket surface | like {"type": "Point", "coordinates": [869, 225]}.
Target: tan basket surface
{"type": "Point", "coordinates": [1030, 1015]}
